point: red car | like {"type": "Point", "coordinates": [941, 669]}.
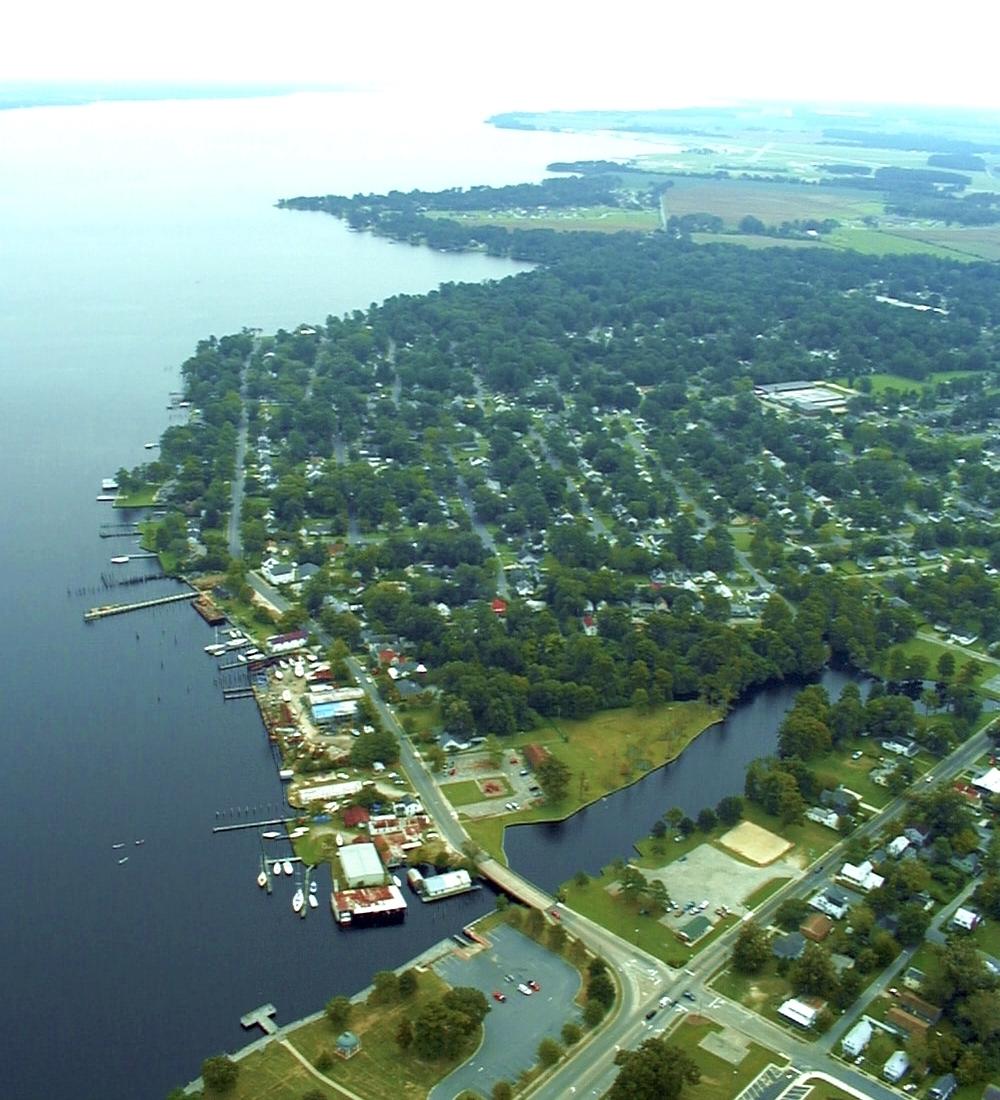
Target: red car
{"type": "Point", "coordinates": [532, 984]}
{"type": "Point", "coordinates": [554, 913]}
{"type": "Point", "coordinates": [498, 996]}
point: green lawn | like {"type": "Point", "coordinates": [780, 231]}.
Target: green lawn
{"type": "Point", "coordinates": [467, 791]}
{"type": "Point", "coordinates": [837, 767]}
{"type": "Point", "coordinates": [378, 1070]}
{"type": "Point", "coordinates": [987, 937]}
{"type": "Point", "coordinates": [719, 1079]}
{"type": "Point", "coordinates": [763, 892]}
{"type": "Point", "coordinates": [143, 497]}
{"type": "Point", "coordinates": [755, 991]}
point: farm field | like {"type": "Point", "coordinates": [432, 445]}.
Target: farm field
{"type": "Point", "coordinates": [732, 199]}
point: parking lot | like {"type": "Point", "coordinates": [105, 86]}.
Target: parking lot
{"type": "Point", "coordinates": [512, 1031]}
{"type": "Point", "coordinates": [476, 765]}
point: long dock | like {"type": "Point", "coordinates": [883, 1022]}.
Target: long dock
{"type": "Point", "coordinates": [123, 608]}
{"type": "Point", "coordinates": [252, 824]}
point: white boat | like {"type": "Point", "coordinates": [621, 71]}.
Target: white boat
{"type": "Point", "coordinates": [236, 643]}
{"type": "Point", "coordinates": [313, 886]}
{"type": "Point", "coordinates": [262, 879]}
{"type": "Point", "coordinates": [124, 859]}
{"type": "Point", "coordinates": [109, 485]}
{"type": "Point", "coordinates": [313, 903]}
{"type": "Point", "coordinates": [286, 774]}
{"type": "Point", "coordinates": [149, 446]}
{"type": "Point", "coordinates": [138, 842]}
{"type": "Point", "coordinates": [122, 845]}
{"type": "Point", "coordinates": [298, 900]}
{"type": "Point", "coordinates": [215, 650]}
{"type": "Point", "coordinates": [287, 864]}
{"type": "Point", "coordinates": [120, 559]}
{"type": "Point", "coordinates": [106, 498]}
{"type": "Point", "coordinates": [276, 869]}
{"type": "Point", "coordinates": [396, 880]}
{"type": "Point", "coordinates": [278, 674]}
{"type": "Point", "coordinates": [272, 835]}
{"type": "Point", "coordinates": [340, 840]}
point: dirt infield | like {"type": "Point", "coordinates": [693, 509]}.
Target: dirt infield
{"type": "Point", "coordinates": [754, 843]}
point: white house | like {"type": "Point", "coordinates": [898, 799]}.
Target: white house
{"type": "Point", "coordinates": [966, 920]}
{"type": "Point", "coordinates": [803, 1013]}
{"type": "Point", "coordinates": [279, 572]}
{"type": "Point", "coordinates": [988, 781]}
{"type": "Point", "coordinates": [862, 876]}
{"type": "Point", "coordinates": [855, 1041]}
{"type": "Point", "coordinates": [897, 846]}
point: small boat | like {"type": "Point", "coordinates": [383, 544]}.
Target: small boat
{"type": "Point", "coordinates": [149, 446]}
{"type": "Point", "coordinates": [109, 485]}
{"type": "Point", "coordinates": [122, 845]}
{"type": "Point", "coordinates": [215, 650]}
{"type": "Point", "coordinates": [288, 867]}
{"type": "Point", "coordinates": [313, 903]}
{"type": "Point", "coordinates": [396, 880]}
{"type": "Point", "coordinates": [120, 559]}
{"type": "Point", "coordinates": [138, 842]}
{"type": "Point", "coordinates": [340, 840]}
{"type": "Point", "coordinates": [278, 674]}
{"type": "Point", "coordinates": [313, 887]}
{"type": "Point", "coordinates": [106, 498]}
{"type": "Point", "coordinates": [298, 900]}
{"type": "Point", "coordinates": [276, 869]}
{"type": "Point", "coordinates": [271, 835]}
{"type": "Point", "coordinates": [262, 879]}
{"type": "Point", "coordinates": [124, 859]}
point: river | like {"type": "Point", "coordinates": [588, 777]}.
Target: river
{"type": "Point", "coordinates": [129, 232]}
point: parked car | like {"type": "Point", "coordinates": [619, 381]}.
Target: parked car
{"type": "Point", "coordinates": [508, 977]}
{"type": "Point", "coordinates": [688, 995]}
{"type": "Point", "coordinates": [522, 988]}
{"type": "Point", "coordinates": [534, 985]}
{"type": "Point", "coordinates": [665, 1001]}
{"type": "Point", "coordinates": [498, 996]}
{"type": "Point", "coordinates": [651, 1013]}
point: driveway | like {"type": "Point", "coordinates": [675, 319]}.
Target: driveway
{"type": "Point", "coordinates": [512, 1031]}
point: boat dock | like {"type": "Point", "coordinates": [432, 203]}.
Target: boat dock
{"type": "Point", "coordinates": [252, 825]}
{"type": "Point", "coordinates": [123, 608]}
{"type": "Point", "coordinates": [119, 530]}
{"type": "Point", "coordinates": [262, 1018]}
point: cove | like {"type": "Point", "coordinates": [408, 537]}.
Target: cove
{"type": "Point", "coordinates": [711, 767]}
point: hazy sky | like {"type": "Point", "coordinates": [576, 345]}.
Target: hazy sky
{"type": "Point", "coordinates": [513, 53]}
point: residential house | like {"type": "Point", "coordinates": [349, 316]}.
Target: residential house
{"type": "Point", "coordinates": [901, 746]}
{"type": "Point", "coordinates": [803, 1011]}
{"type": "Point", "coordinates": [855, 1041]}
{"type": "Point", "coordinates": [816, 927]}
{"type": "Point", "coordinates": [862, 876]}
{"type": "Point", "coordinates": [897, 1067]}
{"type": "Point", "coordinates": [966, 920]}
{"type": "Point", "coordinates": [789, 947]}
{"type": "Point", "coordinates": [943, 1088]}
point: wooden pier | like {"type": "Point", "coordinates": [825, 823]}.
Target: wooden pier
{"type": "Point", "coordinates": [119, 530]}
{"type": "Point", "coordinates": [123, 608]}
{"type": "Point", "coordinates": [254, 825]}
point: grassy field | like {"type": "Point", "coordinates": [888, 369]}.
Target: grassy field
{"type": "Point", "coordinates": [597, 219]}
{"type": "Point", "coordinates": [139, 498]}
{"type": "Point", "coordinates": [762, 893]}
{"type": "Point", "coordinates": [773, 203]}
{"type": "Point", "coordinates": [378, 1070]}
{"type": "Point", "coordinates": [981, 242]}
{"type": "Point", "coordinates": [719, 1079]}
{"type": "Point", "coordinates": [885, 242]}
{"type": "Point", "coordinates": [467, 791]}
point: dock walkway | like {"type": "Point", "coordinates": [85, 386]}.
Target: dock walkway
{"type": "Point", "coordinates": [123, 608]}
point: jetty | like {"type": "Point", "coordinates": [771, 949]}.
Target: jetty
{"type": "Point", "coordinates": [254, 825]}
{"type": "Point", "coordinates": [261, 1017]}
{"type": "Point", "coordinates": [123, 608]}
{"type": "Point", "coordinates": [119, 530]}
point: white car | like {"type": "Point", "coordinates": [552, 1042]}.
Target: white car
{"type": "Point", "coordinates": [522, 988]}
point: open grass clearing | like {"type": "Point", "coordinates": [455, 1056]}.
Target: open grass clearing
{"type": "Point", "coordinates": [754, 240]}
{"type": "Point", "coordinates": [466, 792]}
{"type": "Point", "coordinates": [757, 897]}
{"type": "Point", "coordinates": [720, 1080]}
{"type": "Point", "coordinates": [143, 497]}
{"type": "Point", "coordinates": [981, 242]}
{"type": "Point", "coordinates": [377, 1070]}
{"type": "Point", "coordinates": [773, 203]}
{"type": "Point", "coordinates": [879, 242]}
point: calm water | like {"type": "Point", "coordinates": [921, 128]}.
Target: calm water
{"type": "Point", "coordinates": [128, 232]}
